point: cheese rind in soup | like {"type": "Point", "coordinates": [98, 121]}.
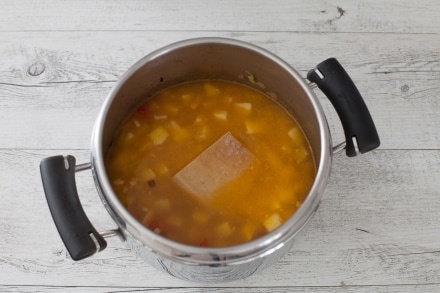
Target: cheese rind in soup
{"type": "Point", "coordinates": [211, 163]}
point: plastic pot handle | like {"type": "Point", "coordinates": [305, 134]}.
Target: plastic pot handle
{"type": "Point", "coordinates": [79, 236]}
{"type": "Point", "coordinates": [360, 132]}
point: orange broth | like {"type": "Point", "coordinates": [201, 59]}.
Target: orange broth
{"type": "Point", "coordinates": [172, 128]}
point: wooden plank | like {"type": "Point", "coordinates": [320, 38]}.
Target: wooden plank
{"type": "Point", "coordinates": [397, 16]}
{"type": "Point", "coordinates": [378, 225]}
{"type": "Point", "coordinates": [431, 288]}
{"type": "Point", "coordinates": [55, 108]}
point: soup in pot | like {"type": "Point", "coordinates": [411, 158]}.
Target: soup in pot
{"type": "Point", "coordinates": [211, 163]}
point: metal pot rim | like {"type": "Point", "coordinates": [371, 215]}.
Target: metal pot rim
{"type": "Point", "coordinates": [198, 255]}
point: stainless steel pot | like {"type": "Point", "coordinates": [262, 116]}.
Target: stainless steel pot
{"type": "Point", "coordinates": [207, 58]}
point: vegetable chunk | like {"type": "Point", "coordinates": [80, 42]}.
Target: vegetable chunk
{"type": "Point", "coordinates": [272, 222]}
{"type": "Point", "coordinates": [158, 135]}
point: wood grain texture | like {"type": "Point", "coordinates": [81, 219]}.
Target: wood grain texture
{"type": "Point", "coordinates": [393, 16]}
{"type": "Point", "coordinates": [57, 107]}
{"type": "Point", "coordinates": [377, 228]}
{"type": "Point", "coordinates": [366, 232]}
{"type": "Point", "coordinates": [341, 288]}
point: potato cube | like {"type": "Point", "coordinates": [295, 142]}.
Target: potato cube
{"type": "Point", "coordinates": [162, 169]}
{"type": "Point", "coordinates": [272, 222]}
{"type": "Point", "coordinates": [248, 231]}
{"type": "Point", "coordinates": [199, 119]}
{"type": "Point", "coordinates": [170, 110]}
{"type": "Point", "coordinates": [243, 108]}
{"type": "Point", "coordinates": [162, 204]}
{"type": "Point", "coordinates": [227, 99]}
{"type": "Point", "coordinates": [224, 229]}
{"type": "Point", "coordinates": [221, 115]}
{"type": "Point", "coordinates": [118, 182]}
{"type": "Point", "coordinates": [179, 133]}
{"type": "Point", "coordinates": [146, 174]}
{"type": "Point", "coordinates": [210, 89]}
{"type": "Point", "coordinates": [158, 135]}
{"type": "Point", "coordinates": [301, 154]}
{"type": "Point", "coordinates": [252, 127]}
{"type": "Point", "coordinates": [148, 218]}
{"type": "Point", "coordinates": [295, 134]}
{"type": "Point", "coordinates": [129, 136]}
{"type": "Point", "coordinates": [188, 98]}
{"type": "Point", "coordinates": [202, 133]}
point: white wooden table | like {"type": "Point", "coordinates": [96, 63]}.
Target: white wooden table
{"type": "Point", "coordinates": [378, 227]}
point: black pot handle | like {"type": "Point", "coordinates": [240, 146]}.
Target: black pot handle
{"type": "Point", "coordinates": [360, 132]}
{"type": "Point", "coordinates": [75, 229]}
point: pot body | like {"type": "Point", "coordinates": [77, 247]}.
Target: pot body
{"type": "Point", "coordinates": [211, 58]}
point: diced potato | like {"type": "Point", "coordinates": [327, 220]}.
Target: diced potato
{"type": "Point", "coordinates": [221, 115]}
{"type": "Point", "coordinates": [118, 182]}
{"type": "Point", "coordinates": [146, 145]}
{"type": "Point", "coordinates": [301, 154]}
{"type": "Point", "coordinates": [194, 105]}
{"type": "Point", "coordinates": [133, 182]}
{"type": "Point", "coordinates": [191, 100]}
{"type": "Point", "coordinates": [179, 133]}
{"type": "Point", "coordinates": [272, 222]}
{"type": "Point", "coordinates": [188, 98]}
{"type": "Point", "coordinates": [162, 204]}
{"type": "Point", "coordinates": [224, 229]}
{"type": "Point", "coordinates": [202, 134]}
{"type": "Point", "coordinates": [148, 218]}
{"type": "Point", "coordinates": [129, 136]}
{"type": "Point", "coordinates": [248, 231]}
{"type": "Point", "coordinates": [243, 108]}
{"type": "Point", "coordinates": [162, 169]}
{"type": "Point", "coordinates": [272, 95]}
{"type": "Point", "coordinates": [287, 149]}
{"type": "Point", "coordinates": [147, 175]}
{"type": "Point", "coordinates": [261, 85]}
{"type": "Point", "coordinates": [158, 135]}
{"type": "Point", "coordinates": [175, 126]}
{"type": "Point", "coordinates": [252, 127]}
{"type": "Point", "coordinates": [130, 200]}
{"type": "Point", "coordinates": [160, 117]}
{"type": "Point", "coordinates": [200, 217]}
{"type": "Point", "coordinates": [227, 99]}
{"type": "Point", "coordinates": [137, 123]}
{"type": "Point", "coordinates": [170, 110]}
{"type": "Point", "coordinates": [210, 89]}
{"type": "Point", "coordinates": [199, 119]}
{"type": "Point", "coordinates": [250, 77]}
{"type": "Point", "coordinates": [295, 134]}
{"type": "Point", "coordinates": [275, 161]}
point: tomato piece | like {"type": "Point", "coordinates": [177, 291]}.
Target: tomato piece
{"type": "Point", "coordinates": [203, 243]}
{"type": "Point", "coordinates": [142, 111]}
{"type": "Point", "coordinates": [158, 226]}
